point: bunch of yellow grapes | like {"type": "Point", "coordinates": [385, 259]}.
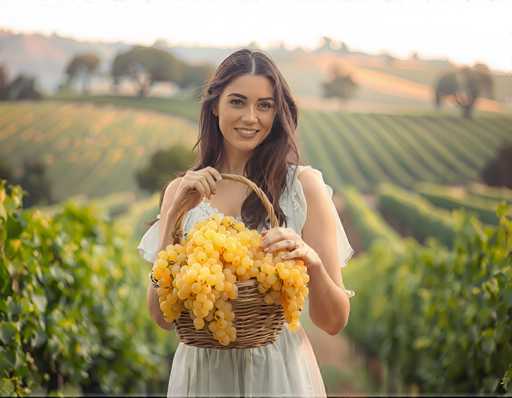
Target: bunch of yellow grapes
{"type": "Point", "coordinates": [200, 275]}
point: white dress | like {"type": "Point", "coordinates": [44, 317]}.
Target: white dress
{"type": "Point", "coordinates": [287, 367]}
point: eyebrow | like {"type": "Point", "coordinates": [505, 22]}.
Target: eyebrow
{"type": "Point", "coordinates": [244, 97]}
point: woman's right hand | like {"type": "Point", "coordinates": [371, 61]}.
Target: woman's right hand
{"type": "Point", "coordinates": [196, 185]}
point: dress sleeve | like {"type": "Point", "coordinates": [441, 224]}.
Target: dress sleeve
{"type": "Point", "coordinates": [148, 245]}
{"type": "Point", "coordinates": [345, 251]}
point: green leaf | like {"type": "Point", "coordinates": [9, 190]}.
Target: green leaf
{"type": "Point", "coordinates": [40, 301]}
{"type": "Point", "coordinates": [501, 209]}
{"type": "Point", "coordinates": [7, 387]}
{"type": "Point", "coordinates": [7, 360]}
{"type": "Point", "coordinates": [488, 342]}
{"type": "Point", "coordinates": [421, 343]}
{"type": "Point", "coordinates": [507, 380]}
{"type": "Point", "coordinates": [7, 332]}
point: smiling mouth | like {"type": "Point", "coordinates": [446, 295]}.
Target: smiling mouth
{"type": "Point", "coordinates": [246, 132]}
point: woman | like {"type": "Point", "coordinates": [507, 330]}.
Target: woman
{"type": "Point", "coordinates": [248, 127]}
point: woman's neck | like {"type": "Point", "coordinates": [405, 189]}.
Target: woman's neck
{"type": "Point", "coordinates": [233, 165]}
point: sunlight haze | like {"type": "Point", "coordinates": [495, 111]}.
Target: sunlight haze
{"type": "Point", "coordinates": [463, 31]}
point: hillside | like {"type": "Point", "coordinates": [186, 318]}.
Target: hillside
{"type": "Point", "coordinates": [88, 149]}
{"type": "Point", "coordinates": [94, 150]}
{"type": "Point", "coordinates": [384, 85]}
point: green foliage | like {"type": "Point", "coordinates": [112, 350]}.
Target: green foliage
{"type": "Point", "coordinates": [82, 66]}
{"type": "Point", "coordinates": [445, 199]}
{"type": "Point", "coordinates": [366, 149]}
{"type": "Point", "coordinates": [147, 65]}
{"type": "Point", "coordinates": [366, 222]}
{"type": "Point", "coordinates": [490, 193]}
{"type": "Point", "coordinates": [98, 146]}
{"type": "Point", "coordinates": [412, 215]}
{"type": "Point", "coordinates": [340, 85]}
{"type": "Point", "coordinates": [23, 87]}
{"type": "Point", "coordinates": [440, 319]}
{"type": "Point", "coordinates": [163, 166]}
{"type": "Point", "coordinates": [33, 179]}
{"type": "Point", "coordinates": [498, 171]}
{"type": "Point", "coordinates": [183, 106]}
{"type": "Point", "coordinates": [35, 182]}
{"type": "Point", "coordinates": [465, 85]}
{"type": "Point", "coordinates": [72, 305]}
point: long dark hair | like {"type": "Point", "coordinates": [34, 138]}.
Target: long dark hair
{"type": "Point", "coordinates": [268, 166]}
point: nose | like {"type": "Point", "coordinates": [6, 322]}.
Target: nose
{"type": "Point", "coordinates": [250, 116]}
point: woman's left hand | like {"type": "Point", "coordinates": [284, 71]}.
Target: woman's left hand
{"type": "Point", "coordinates": [280, 238]}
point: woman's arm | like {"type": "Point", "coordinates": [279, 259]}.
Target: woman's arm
{"type": "Point", "coordinates": [329, 305]}
{"type": "Point", "coordinates": [154, 308]}
{"type": "Point", "coordinates": [168, 218]}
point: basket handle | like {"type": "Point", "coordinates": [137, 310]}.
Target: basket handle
{"type": "Point", "coordinates": [176, 235]}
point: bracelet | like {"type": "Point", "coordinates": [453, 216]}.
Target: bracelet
{"type": "Point", "coordinates": [153, 281]}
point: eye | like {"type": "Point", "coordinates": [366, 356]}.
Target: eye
{"type": "Point", "coordinates": [236, 101]}
{"type": "Point", "coordinates": [266, 105]}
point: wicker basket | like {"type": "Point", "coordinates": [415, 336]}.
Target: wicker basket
{"type": "Point", "coordinates": [257, 323]}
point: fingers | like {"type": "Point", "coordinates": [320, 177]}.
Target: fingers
{"type": "Point", "coordinates": [215, 173]}
{"type": "Point", "coordinates": [289, 244]}
{"type": "Point", "coordinates": [195, 186]}
{"type": "Point", "coordinates": [299, 252]}
{"type": "Point", "coordinates": [212, 176]}
{"type": "Point", "coordinates": [276, 234]}
{"type": "Point", "coordinates": [204, 186]}
{"type": "Point", "coordinates": [210, 183]}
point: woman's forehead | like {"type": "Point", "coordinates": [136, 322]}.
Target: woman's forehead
{"type": "Point", "coordinates": [250, 86]}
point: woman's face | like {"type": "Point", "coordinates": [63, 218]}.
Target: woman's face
{"type": "Point", "coordinates": [246, 111]}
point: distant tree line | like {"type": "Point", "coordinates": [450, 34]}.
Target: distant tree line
{"type": "Point", "coordinates": [22, 87]}
{"type": "Point", "coordinates": [142, 65]}
{"type": "Point", "coordinates": [81, 68]}
{"type": "Point", "coordinates": [328, 44]}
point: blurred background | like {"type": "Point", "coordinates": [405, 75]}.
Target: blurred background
{"type": "Point", "coordinates": [405, 107]}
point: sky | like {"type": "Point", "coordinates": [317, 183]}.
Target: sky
{"type": "Point", "coordinates": [465, 31]}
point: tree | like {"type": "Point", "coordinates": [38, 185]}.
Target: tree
{"type": "Point", "coordinates": [32, 179]}
{"type": "Point", "coordinates": [162, 165]}
{"type": "Point", "coordinates": [6, 172]}
{"type": "Point", "coordinates": [196, 74]}
{"type": "Point", "coordinates": [3, 77]}
{"type": "Point", "coordinates": [498, 171]}
{"type": "Point", "coordinates": [21, 88]}
{"type": "Point", "coordinates": [340, 85]}
{"type": "Point", "coordinates": [464, 86]}
{"type": "Point", "coordinates": [82, 67]}
{"type": "Point", "coordinates": [486, 82]}
{"type": "Point", "coordinates": [35, 181]}
{"type": "Point", "coordinates": [388, 59]}
{"type": "Point", "coordinates": [326, 44]}
{"type": "Point", "coordinates": [148, 65]}
{"type": "Point", "coordinates": [331, 45]}
{"type": "Point", "coordinates": [144, 66]}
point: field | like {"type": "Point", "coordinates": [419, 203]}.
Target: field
{"type": "Point", "coordinates": [402, 180]}
{"type": "Point", "coordinates": [94, 150]}
{"type": "Point", "coordinates": [88, 149]}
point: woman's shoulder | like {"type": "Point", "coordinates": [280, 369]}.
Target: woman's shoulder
{"type": "Point", "coordinates": [304, 172]}
{"type": "Point", "coordinates": [310, 181]}
{"type": "Point", "coordinates": [302, 179]}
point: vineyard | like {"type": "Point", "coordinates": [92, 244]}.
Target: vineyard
{"type": "Point", "coordinates": [366, 149]}
{"type": "Point", "coordinates": [94, 150]}
{"type": "Point", "coordinates": [432, 271]}
{"type": "Point", "coordinates": [87, 149]}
